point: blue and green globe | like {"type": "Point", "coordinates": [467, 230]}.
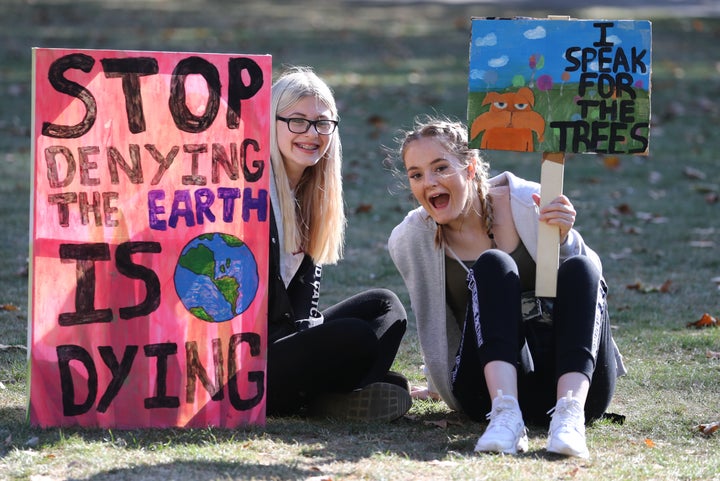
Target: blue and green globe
{"type": "Point", "coordinates": [216, 277]}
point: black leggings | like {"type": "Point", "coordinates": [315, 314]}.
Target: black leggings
{"type": "Point", "coordinates": [577, 339]}
{"type": "Point", "coordinates": [354, 346]}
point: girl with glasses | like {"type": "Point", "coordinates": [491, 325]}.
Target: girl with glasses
{"type": "Point", "coordinates": [333, 362]}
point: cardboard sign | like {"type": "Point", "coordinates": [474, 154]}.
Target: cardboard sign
{"type": "Point", "coordinates": [560, 85]}
{"type": "Point", "coordinates": [149, 239]}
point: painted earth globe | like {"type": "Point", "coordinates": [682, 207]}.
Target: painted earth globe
{"type": "Point", "coordinates": [216, 277]}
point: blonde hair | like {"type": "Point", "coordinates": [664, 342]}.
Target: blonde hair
{"type": "Point", "coordinates": [453, 136]}
{"type": "Point", "coordinates": [313, 216]}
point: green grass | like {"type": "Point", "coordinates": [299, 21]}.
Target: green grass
{"type": "Point", "coordinates": [650, 218]}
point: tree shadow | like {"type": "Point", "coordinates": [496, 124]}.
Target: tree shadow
{"type": "Point", "coordinates": [203, 470]}
{"type": "Point", "coordinates": [422, 438]}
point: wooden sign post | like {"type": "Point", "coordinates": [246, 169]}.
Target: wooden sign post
{"type": "Point", "coordinates": [542, 85]}
{"type": "Point", "coordinates": [548, 248]}
{"type": "Point", "coordinates": [149, 239]}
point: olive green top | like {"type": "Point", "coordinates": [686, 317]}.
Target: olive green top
{"type": "Point", "coordinates": [456, 290]}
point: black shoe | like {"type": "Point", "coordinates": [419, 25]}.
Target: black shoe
{"type": "Point", "coordinates": [398, 379]}
{"type": "Point", "coordinates": [379, 401]}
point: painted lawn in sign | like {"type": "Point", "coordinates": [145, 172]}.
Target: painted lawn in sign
{"type": "Point", "coordinates": [560, 85]}
{"type": "Point", "coordinates": [149, 238]}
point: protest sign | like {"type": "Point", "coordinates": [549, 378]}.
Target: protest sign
{"type": "Point", "coordinates": [557, 86]}
{"type": "Point", "coordinates": [560, 86]}
{"type": "Point", "coordinates": [149, 238]}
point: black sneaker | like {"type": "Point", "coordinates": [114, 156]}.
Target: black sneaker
{"type": "Point", "coordinates": [398, 379]}
{"type": "Point", "coordinates": [379, 401]}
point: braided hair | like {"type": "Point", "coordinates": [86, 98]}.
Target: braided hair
{"type": "Point", "coordinates": [453, 136]}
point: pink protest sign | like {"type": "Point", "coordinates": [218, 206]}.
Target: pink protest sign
{"type": "Point", "coordinates": [149, 238]}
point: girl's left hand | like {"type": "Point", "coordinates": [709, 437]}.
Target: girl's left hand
{"type": "Point", "coordinates": [559, 212]}
{"type": "Point", "coordinates": [420, 392]}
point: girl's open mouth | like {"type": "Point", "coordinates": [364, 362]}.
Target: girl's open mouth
{"type": "Point", "coordinates": [440, 200]}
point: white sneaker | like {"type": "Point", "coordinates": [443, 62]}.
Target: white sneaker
{"type": "Point", "coordinates": [567, 428]}
{"type": "Point", "coordinates": [506, 431]}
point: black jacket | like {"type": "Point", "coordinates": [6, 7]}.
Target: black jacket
{"type": "Point", "coordinates": [288, 307]}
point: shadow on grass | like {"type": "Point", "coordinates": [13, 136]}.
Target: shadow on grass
{"type": "Point", "coordinates": [11, 417]}
{"type": "Point", "coordinates": [424, 438]}
{"type": "Point", "coordinates": [234, 470]}
{"type": "Point", "coordinates": [203, 470]}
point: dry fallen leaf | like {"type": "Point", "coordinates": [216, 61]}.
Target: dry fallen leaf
{"type": "Point", "coordinates": [624, 209]}
{"type": "Point", "coordinates": [708, 429]}
{"type": "Point", "coordinates": [377, 121]}
{"type": "Point", "coordinates": [611, 162]}
{"type": "Point", "coordinates": [698, 25]}
{"type": "Point", "coordinates": [443, 423]}
{"type": "Point", "coordinates": [460, 23]}
{"type": "Point", "coordinates": [645, 289]}
{"type": "Point", "coordinates": [705, 321]}
{"type": "Point", "coordinates": [573, 472]}
{"type": "Point", "coordinates": [363, 208]}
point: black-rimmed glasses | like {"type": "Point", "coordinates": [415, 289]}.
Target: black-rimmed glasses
{"type": "Point", "coordinates": [298, 125]}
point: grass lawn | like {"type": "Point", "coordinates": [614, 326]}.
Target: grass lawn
{"type": "Point", "coordinates": [654, 220]}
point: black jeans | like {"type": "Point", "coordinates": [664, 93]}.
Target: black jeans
{"type": "Point", "coordinates": [354, 346]}
{"type": "Point", "coordinates": [574, 337]}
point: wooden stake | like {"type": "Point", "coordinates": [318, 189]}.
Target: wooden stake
{"type": "Point", "coordinates": [548, 248]}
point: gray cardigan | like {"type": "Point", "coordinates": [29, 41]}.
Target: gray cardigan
{"type": "Point", "coordinates": [422, 267]}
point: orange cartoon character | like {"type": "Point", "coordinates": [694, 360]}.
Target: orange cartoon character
{"type": "Point", "coordinates": [510, 122]}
